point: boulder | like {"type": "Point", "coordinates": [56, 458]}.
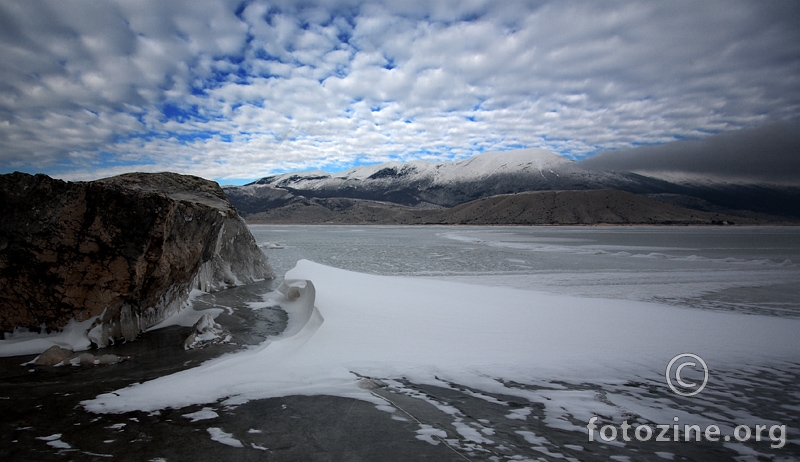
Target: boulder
{"type": "Point", "coordinates": [59, 356]}
{"type": "Point", "coordinates": [126, 250]}
{"type": "Point", "coordinates": [206, 332]}
{"type": "Point", "coordinates": [53, 356]}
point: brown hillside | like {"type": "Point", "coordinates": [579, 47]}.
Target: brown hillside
{"type": "Point", "coordinates": [576, 208]}
{"type": "Point", "coordinates": [532, 208]}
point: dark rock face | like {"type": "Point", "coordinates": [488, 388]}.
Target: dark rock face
{"type": "Point", "coordinates": [128, 249]}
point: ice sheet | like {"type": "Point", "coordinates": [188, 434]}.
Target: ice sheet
{"type": "Point", "coordinates": [744, 269]}
{"type": "Point", "coordinates": [429, 331]}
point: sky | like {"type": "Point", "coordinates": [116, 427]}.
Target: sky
{"type": "Point", "coordinates": [233, 91]}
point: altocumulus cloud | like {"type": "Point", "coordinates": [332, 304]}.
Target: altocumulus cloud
{"type": "Point", "coordinates": [233, 91]}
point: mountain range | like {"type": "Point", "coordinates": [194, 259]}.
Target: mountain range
{"type": "Point", "coordinates": [439, 192]}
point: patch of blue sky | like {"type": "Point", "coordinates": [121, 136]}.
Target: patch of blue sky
{"type": "Point", "coordinates": [305, 25]}
{"type": "Point", "coordinates": [344, 36]}
{"type": "Point", "coordinates": [233, 59]}
{"type": "Point", "coordinates": [270, 14]}
{"type": "Point", "coordinates": [24, 167]}
{"type": "Point", "coordinates": [340, 71]}
{"type": "Point", "coordinates": [657, 143]}
{"type": "Point", "coordinates": [190, 137]}
{"type": "Point", "coordinates": [515, 146]}
{"type": "Point", "coordinates": [706, 131]}
{"type": "Point", "coordinates": [239, 12]}
{"type": "Point", "coordinates": [181, 114]}
{"type": "Point", "coordinates": [234, 181]}
{"type": "Point", "coordinates": [686, 137]}
{"type": "Point", "coordinates": [264, 55]}
{"type": "Point", "coordinates": [221, 75]}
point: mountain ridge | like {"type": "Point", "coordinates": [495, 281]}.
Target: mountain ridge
{"type": "Point", "coordinates": [604, 206]}
{"type": "Point", "coordinates": [425, 184]}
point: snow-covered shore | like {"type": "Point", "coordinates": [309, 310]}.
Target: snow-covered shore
{"type": "Point", "coordinates": [436, 332]}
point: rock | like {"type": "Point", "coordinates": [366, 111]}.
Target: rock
{"type": "Point", "coordinates": [85, 359]}
{"type": "Point", "coordinates": [206, 332]}
{"type": "Point", "coordinates": [57, 356]}
{"type": "Point", "coordinates": [88, 359]}
{"type": "Point", "coordinates": [127, 250]}
{"type": "Point", "coordinates": [53, 356]}
{"type": "Point", "coordinates": [109, 359]}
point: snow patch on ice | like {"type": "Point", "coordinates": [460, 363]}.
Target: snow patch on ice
{"type": "Point", "coordinates": [519, 414]}
{"type": "Point", "coordinates": [225, 438]}
{"type": "Point", "coordinates": [203, 414]}
{"type": "Point", "coordinates": [55, 441]}
{"type": "Point", "coordinates": [430, 434]}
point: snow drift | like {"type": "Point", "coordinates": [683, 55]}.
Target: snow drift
{"type": "Point", "coordinates": [432, 331]}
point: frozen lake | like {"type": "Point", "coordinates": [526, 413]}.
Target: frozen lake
{"type": "Point", "coordinates": [747, 269]}
{"type": "Point", "coordinates": [454, 343]}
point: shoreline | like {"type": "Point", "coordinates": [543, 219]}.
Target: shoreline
{"type": "Point", "coordinates": [445, 419]}
{"type": "Point", "coordinates": [549, 225]}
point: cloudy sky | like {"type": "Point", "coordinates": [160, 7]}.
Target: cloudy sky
{"type": "Point", "coordinates": [234, 91]}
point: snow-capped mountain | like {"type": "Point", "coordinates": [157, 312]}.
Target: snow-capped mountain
{"type": "Point", "coordinates": [439, 173]}
{"type": "Point", "coordinates": [437, 183]}
{"type": "Point", "coordinates": [446, 184]}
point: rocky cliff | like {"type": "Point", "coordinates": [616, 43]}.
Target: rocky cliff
{"type": "Point", "coordinates": [127, 250]}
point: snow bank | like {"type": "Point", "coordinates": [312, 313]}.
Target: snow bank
{"type": "Point", "coordinates": [72, 336]}
{"type": "Point", "coordinates": [431, 331]}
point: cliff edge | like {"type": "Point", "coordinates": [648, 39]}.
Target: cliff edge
{"type": "Point", "coordinates": [127, 250]}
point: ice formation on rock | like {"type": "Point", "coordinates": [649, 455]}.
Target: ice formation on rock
{"type": "Point", "coordinates": [125, 250]}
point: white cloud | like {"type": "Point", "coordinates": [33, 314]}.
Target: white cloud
{"type": "Point", "coordinates": [279, 87]}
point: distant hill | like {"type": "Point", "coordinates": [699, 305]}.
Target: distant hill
{"type": "Point", "coordinates": [529, 208]}
{"type": "Point", "coordinates": [419, 192]}
{"type": "Point", "coordinates": [605, 206]}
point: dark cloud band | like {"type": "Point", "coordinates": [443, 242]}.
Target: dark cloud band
{"type": "Point", "coordinates": [770, 153]}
